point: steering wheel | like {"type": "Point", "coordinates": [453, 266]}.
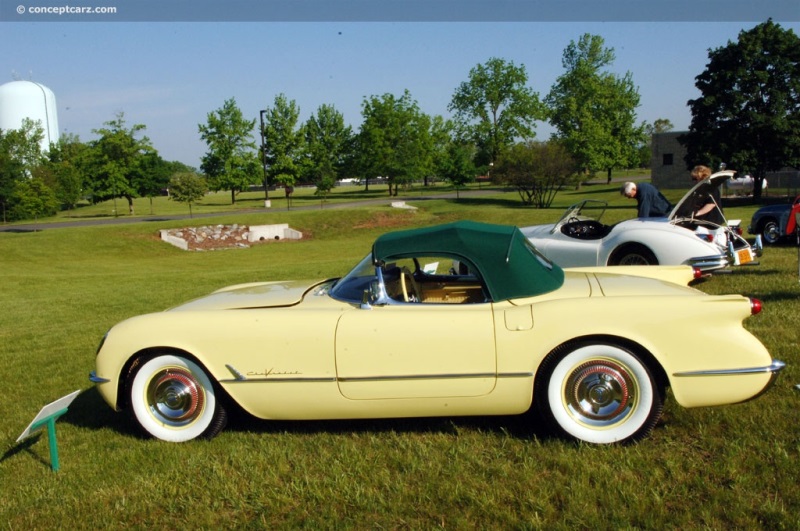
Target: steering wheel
{"type": "Point", "coordinates": [414, 296]}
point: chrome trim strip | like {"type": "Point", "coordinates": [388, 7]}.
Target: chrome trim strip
{"type": "Point", "coordinates": [281, 380]}
{"type": "Point", "coordinates": [381, 378]}
{"type": "Point", "coordinates": [774, 368]}
{"type": "Point", "coordinates": [96, 379]}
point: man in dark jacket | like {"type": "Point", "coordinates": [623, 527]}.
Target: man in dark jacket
{"type": "Point", "coordinates": [651, 203]}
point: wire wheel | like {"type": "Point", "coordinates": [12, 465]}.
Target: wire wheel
{"type": "Point", "coordinates": [633, 255]}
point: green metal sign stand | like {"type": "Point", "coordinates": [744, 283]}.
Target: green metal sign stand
{"type": "Point", "coordinates": [50, 422]}
{"type": "Point", "coordinates": [48, 416]}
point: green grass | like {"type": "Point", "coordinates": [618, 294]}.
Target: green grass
{"type": "Point", "coordinates": [726, 467]}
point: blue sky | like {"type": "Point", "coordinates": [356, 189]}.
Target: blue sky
{"type": "Point", "coordinates": [170, 75]}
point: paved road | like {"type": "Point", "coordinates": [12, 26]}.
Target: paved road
{"type": "Point", "coordinates": [33, 227]}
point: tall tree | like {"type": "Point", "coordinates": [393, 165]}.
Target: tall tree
{"type": "Point", "coordinates": [231, 162]}
{"type": "Point", "coordinates": [284, 141]}
{"type": "Point", "coordinates": [328, 144]}
{"type": "Point", "coordinates": [458, 166]}
{"type": "Point", "coordinates": [20, 155]}
{"type": "Point", "coordinates": [394, 140]}
{"type": "Point", "coordinates": [66, 163]}
{"type": "Point", "coordinates": [594, 111]}
{"type": "Point", "coordinates": [748, 114]}
{"type": "Point", "coordinates": [495, 107]}
{"type": "Point", "coordinates": [115, 158]}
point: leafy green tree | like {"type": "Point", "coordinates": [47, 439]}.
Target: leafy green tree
{"type": "Point", "coordinates": [187, 187]}
{"type": "Point", "coordinates": [32, 198]}
{"type": "Point", "coordinates": [20, 154]}
{"type": "Point", "coordinates": [114, 160]}
{"type": "Point", "coordinates": [284, 142]}
{"type": "Point", "coordinates": [748, 113]}
{"type": "Point", "coordinates": [594, 111]}
{"type": "Point", "coordinates": [442, 136]}
{"type": "Point", "coordinates": [231, 162]}
{"type": "Point", "coordinates": [328, 143]}
{"type": "Point", "coordinates": [495, 107]}
{"type": "Point", "coordinates": [394, 140]}
{"type": "Point", "coordinates": [458, 166]}
{"type": "Point", "coordinates": [65, 165]}
{"type": "Point", "coordinates": [537, 170]}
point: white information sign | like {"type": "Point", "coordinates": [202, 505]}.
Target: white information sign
{"type": "Point", "coordinates": [47, 411]}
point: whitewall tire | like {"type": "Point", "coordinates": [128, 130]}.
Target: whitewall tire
{"type": "Point", "coordinates": [599, 393]}
{"type": "Point", "coordinates": [173, 399]}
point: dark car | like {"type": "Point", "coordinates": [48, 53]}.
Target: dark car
{"type": "Point", "coordinates": [771, 221]}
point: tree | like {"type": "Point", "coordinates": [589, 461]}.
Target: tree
{"type": "Point", "coordinates": [231, 162]}
{"type": "Point", "coordinates": [20, 155]}
{"type": "Point", "coordinates": [394, 140]}
{"type": "Point", "coordinates": [114, 160]}
{"type": "Point", "coordinates": [32, 198]}
{"type": "Point", "coordinates": [284, 142]}
{"type": "Point", "coordinates": [748, 113]}
{"type": "Point", "coordinates": [328, 142]}
{"type": "Point", "coordinates": [187, 187]}
{"type": "Point", "coordinates": [458, 166]}
{"type": "Point", "coordinates": [593, 111]}
{"type": "Point", "coordinates": [65, 164]}
{"type": "Point", "coordinates": [537, 170]}
{"type": "Point", "coordinates": [496, 108]}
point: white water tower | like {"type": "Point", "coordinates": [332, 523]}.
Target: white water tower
{"type": "Point", "coordinates": [28, 99]}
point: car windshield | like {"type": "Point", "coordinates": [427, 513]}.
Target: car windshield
{"type": "Point", "coordinates": [586, 209]}
{"type": "Point", "coordinates": [352, 286]}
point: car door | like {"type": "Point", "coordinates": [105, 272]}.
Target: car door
{"type": "Point", "coordinates": [416, 351]}
{"type": "Point", "coordinates": [571, 252]}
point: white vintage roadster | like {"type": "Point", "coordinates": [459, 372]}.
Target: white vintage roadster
{"type": "Point", "coordinates": [579, 238]}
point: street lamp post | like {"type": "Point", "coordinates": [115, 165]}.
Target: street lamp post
{"type": "Point", "coordinates": [264, 156]}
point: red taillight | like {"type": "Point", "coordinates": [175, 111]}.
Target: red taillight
{"type": "Point", "coordinates": [706, 237]}
{"type": "Point", "coordinates": [697, 273]}
{"type": "Point", "coordinates": [738, 230]}
{"type": "Point", "coordinates": [755, 306]}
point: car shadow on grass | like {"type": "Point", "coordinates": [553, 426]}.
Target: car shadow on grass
{"type": "Point", "coordinates": [89, 411]}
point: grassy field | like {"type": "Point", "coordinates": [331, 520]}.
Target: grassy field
{"type": "Point", "coordinates": [727, 467]}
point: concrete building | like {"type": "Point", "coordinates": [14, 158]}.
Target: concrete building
{"type": "Point", "coordinates": [669, 169]}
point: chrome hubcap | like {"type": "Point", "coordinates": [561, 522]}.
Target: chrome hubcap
{"type": "Point", "coordinates": [175, 397]}
{"type": "Point", "coordinates": [600, 393]}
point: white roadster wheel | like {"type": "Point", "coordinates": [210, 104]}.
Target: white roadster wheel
{"type": "Point", "coordinates": [173, 399]}
{"type": "Point", "coordinates": [600, 393]}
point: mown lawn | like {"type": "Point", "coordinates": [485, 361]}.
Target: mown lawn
{"type": "Point", "coordinates": [727, 467]}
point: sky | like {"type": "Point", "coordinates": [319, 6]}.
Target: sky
{"type": "Point", "coordinates": [169, 74]}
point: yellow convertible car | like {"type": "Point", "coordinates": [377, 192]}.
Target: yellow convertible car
{"type": "Point", "coordinates": [458, 319]}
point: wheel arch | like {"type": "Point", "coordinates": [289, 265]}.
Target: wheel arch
{"type": "Point", "coordinates": [143, 356]}
{"type": "Point", "coordinates": [628, 246]}
{"type": "Point", "coordinates": [659, 374]}
{"type": "Point", "coordinates": [763, 220]}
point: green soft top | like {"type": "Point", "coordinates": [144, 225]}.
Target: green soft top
{"type": "Point", "coordinates": [510, 265]}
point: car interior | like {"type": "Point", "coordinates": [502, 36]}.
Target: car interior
{"type": "Point", "coordinates": [432, 280]}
